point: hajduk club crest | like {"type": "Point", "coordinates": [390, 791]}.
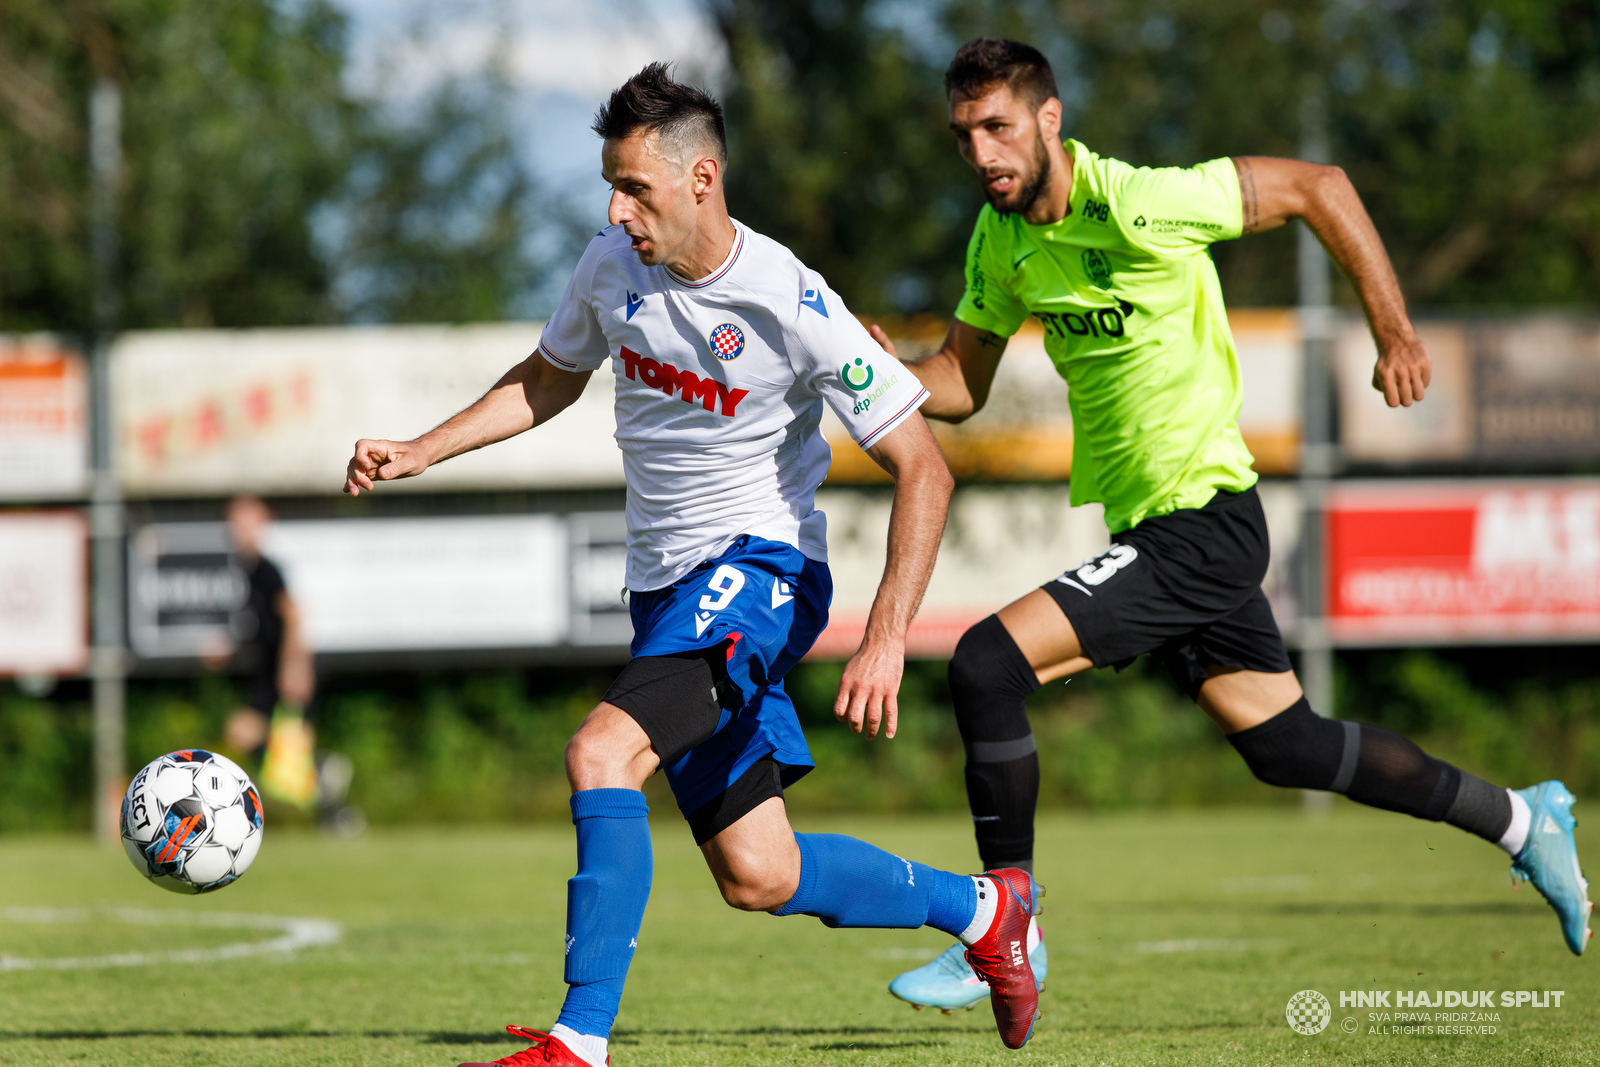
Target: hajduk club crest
{"type": "Point", "coordinates": [727, 342]}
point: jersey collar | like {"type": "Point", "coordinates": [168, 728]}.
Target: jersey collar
{"type": "Point", "coordinates": [716, 275]}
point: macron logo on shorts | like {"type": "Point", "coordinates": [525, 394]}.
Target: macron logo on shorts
{"type": "Point", "coordinates": [666, 377]}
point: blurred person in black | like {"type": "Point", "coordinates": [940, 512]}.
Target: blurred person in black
{"type": "Point", "coordinates": [271, 649]}
{"type": "Point", "coordinates": [272, 653]}
{"type": "Point", "coordinates": [275, 726]}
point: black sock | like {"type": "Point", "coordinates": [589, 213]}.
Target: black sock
{"type": "Point", "coordinates": [1003, 796]}
{"type": "Point", "coordinates": [1298, 749]}
{"type": "Point", "coordinates": [989, 682]}
{"type": "Point", "coordinates": [1480, 808]}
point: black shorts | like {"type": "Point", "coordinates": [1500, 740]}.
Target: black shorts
{"type": "Point", "coordinates": [677, 700]}
{"type": "Point", "coordinates": [1185, 586]}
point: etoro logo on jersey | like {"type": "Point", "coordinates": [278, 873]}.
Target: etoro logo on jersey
{"type": "Point", "coordinates": [1109, 322]}
{"type": "Point", "coordinates": [661, 375]}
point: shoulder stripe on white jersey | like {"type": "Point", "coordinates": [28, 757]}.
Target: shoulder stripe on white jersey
{"type": "Point", "coordinates": [733, 257]}
{"type": "Point", "coordinates": [557, 360]}
{"type": "Point", "coordinates": [893, 420]}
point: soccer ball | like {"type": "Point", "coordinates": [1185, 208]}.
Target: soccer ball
{"type": "Point", "coordinates": [191, 821]}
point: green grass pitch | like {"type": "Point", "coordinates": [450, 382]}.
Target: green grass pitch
{"type": "Point", "coordinates": [1175, 938]}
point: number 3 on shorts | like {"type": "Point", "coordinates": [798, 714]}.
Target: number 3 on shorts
{"type": "Point", "coordinates": [1110, 562]}
{"type": "Point", "coordinates": [726, 582]}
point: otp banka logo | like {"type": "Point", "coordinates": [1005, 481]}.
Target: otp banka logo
{"type": "Point", "coordinates": [857, 376]}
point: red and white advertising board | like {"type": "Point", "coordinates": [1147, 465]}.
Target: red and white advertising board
{"type": "Point", "coordinates": [44, 437]}
{"type": "Point", "coordinates": [1464, 561]}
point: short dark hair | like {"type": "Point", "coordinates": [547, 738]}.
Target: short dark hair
{"type": "Point", "coordinates": [985, 61]}
{"type": "Point", "coordinates": [652, 101]}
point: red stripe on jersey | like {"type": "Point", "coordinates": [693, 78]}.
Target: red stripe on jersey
{"type": "Point", "coordinates": [867, 440]}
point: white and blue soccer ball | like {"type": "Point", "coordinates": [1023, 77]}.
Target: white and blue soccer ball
{"type": "Point", "coordinates": [191, 821]}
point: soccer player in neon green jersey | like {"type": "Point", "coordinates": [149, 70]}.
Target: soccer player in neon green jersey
{"type": "Point", "coordinates": [1113, 260]}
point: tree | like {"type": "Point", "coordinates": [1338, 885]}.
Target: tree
{"type": "Point", "coordinates": [838, 148]}
{"type": "Point", "coordinates": [1470, 128]}
{"type": "Point", "coordinates": [258, 190]}
{"type": "Point", "coordinates": [436, 215]}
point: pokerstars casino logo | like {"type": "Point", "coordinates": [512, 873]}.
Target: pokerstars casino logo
{"type": "Point", "coordinates": [1308, 1012]}
{"type": "Point", "coordinates": [727, 342]}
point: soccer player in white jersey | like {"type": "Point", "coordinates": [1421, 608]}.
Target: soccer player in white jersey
{"type": "Point", "coordinates": [724, 348]}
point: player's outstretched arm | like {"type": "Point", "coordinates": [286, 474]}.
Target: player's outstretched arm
{"type": "Point", "coordinates": [922, 484]}
{"type": "Point", "coordinates": [958, 376]}
{"type": "Point", "coordinates": [528, 394]}
{"type": "Point", "coordinates": [1273, 191]}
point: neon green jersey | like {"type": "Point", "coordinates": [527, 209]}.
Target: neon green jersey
{"type": "Point", "coordinates": [1133, 319]}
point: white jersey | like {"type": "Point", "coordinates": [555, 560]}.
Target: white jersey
{"type": "Point", "coordinates": [719, 385]}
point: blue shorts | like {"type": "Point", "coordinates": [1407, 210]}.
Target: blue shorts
{"type": "Point", "coordinates": [770, 602]}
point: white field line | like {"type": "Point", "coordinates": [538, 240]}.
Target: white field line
{"type": "Point", "coordinates": [295, 934]}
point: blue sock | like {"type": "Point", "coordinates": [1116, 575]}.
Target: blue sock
{"type": "Point", "coordinates": [849, 883]}
{"type": "Point", "coordinates": [605, 904]}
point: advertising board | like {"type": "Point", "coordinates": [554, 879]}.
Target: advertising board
{"type": "Point", "coordinates": [44, 437]}
{"type": "Point", "coordinates": [1464, 561]}
{"type": "Point", "coordinates": [44, 592]}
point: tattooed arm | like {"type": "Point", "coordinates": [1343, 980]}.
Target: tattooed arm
{"type": "Point", "coordinates": [1273, 191]}
{"type": "Point", "coordinates": [958, 376]}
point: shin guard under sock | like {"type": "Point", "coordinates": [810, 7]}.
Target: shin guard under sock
{"type": "Point", "coordinates": [1299, 749]}
{"type": "Point", "coordinates": [605, 904]}
{"type": "Point", "coordinates": [990, 680]}
{"type": "Point", "coordinates": [849, 883]}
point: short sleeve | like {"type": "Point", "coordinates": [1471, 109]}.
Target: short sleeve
{"type": "Point", "coordinates": [572, 339]}
{"type": "Point", "coordinates": [871, 391]}
{"type": "Point", "coordinates": [987, 304]}
{"type": "Point", "coordinates": [1178, 209]}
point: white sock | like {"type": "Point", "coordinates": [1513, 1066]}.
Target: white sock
{"type": "Point", "coordinates": [590, 1049]}
{"type": "Point", "coordinates": [1521, 818]}
{"type": "Point", "coordinates": [988, 904]}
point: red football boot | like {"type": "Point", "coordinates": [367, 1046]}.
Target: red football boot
{"type": "Point", "coordinates": [1000, 957]}
{"type": "Point", "coordinates": [545, 1050]}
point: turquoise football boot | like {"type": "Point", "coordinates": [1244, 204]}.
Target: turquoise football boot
{"type": "Point", "coordinates": [1549, 859]}
{"type": "Point", "coordinates": [947, 982]}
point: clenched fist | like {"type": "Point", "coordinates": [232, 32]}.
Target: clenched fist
{"type": "Point", "coordinates": [382, 461]}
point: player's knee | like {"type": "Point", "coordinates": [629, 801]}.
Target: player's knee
{"type": "Point", "coordinates": [752, 883]}
{"type": "Point", "coordinates": [595, 760]}
{"type": "Point", "coordinates": [987, 663]}
{"type": "Point", "coordinates": [1295, 749]}
{"type": "Point", "coordinates": [583, 761]}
